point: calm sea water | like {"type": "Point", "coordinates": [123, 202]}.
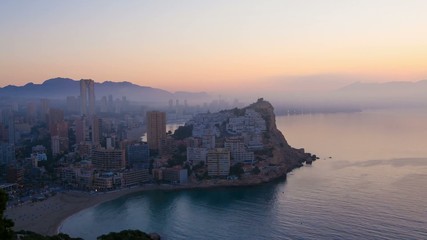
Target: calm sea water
{"type": "Point", "coordinates": [372, 187]}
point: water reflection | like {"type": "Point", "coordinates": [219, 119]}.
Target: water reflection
{"type": "Point", "coordinates": [371, 188]}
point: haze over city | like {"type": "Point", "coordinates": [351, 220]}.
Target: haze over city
{"type": "Point", "coordinates": [251, 46]}
{"type": "Point", "coordinates": [190, 119]}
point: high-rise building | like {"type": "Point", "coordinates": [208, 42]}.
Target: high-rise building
{"type": "Point", "coordinates": [4, 137]}
{"type": "Point", "coordinates": [87, 97]}
{"type": "Point", "coordinates": [96, 127]}
{"type": "Point", "coordinates": [31, 113]}
{"type": "Point", "coordinates": [44, 108]}
{"type": "Point", "coordinates": [218, 161]}
{"type": "Point", "coordinates": [7, 154]}
{"type": "Point", "coordinates": [156, 129]}
{"type": "Point", "coordinates": [104, 105]}
{"type": "Point", "coordinates": [88, 130]}
{"type": "Point", "coordinates": [81, 130]}
{"type": "Point", "coordinates": [8, 126]}
{"type": "Point", "coordinates": [54, 117]}
{"type": "Point", "coordinates": [11, 131]}
{"type": "Point", "coordinates": [73, 104]}
{"type": "Point", "coordinates": [59, 138]}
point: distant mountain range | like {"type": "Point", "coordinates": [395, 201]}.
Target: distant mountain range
{"type": "Point", "coordinates": [60, 88]}
{"type": "Point", "coordinates": [387, 87]}
{"type": "Point", "coordinates": [357, 96]}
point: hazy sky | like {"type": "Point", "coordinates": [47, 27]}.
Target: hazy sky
{"type": "Point", "coordinates": [214, 45]}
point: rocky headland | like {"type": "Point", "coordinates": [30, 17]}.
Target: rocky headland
{"type": "Point", "coordinates": [276, 157]}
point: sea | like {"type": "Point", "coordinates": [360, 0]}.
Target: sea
{"type": "Point", "coordinates": [369, 183]}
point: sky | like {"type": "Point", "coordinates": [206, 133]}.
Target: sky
{"type": "Point", "coordinates": [221, 45]}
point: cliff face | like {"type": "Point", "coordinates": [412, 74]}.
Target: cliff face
{"type": "Point", "coordinates": [283, 153]}
{"type": "Point", "coordinates": [255, 126]}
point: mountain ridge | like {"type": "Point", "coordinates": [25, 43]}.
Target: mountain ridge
{"type": "Point", "coordinates": [59, 88]}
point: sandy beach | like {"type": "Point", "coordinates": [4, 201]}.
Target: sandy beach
{"type": "Point", "coordinates": [45, 217]}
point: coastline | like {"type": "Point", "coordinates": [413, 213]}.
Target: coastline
{"type": "Point", "coordinates": [47, 217]}
{"type": "Point", "coordinates": [277, 159]}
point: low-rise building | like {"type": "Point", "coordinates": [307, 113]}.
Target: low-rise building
{"type": "Point", "coordinates": [218, 162]}
{"type": "Point", "coordinates": [106, 181]}
{"type": "Point", "coordinates": [15, 174]}
{"type": "Point", "coordinates": [68, 175]}
{"type": "Point", "coordinates": [108, 159]}
{"type": "Point", "coordinates": [238, 151]}
{"type": "Point", "coordinates": [196, 155]}
{"type": "Point", "coordinates": [208, 141]}
{"type": "Point", "coordinates": [138, 154]}
{"type": "Point", "coordinates": [85, 179]}
{"type": "Point", "coordinates": [132, 177]}
{"type": "Point", "coordinates": [175, 175]}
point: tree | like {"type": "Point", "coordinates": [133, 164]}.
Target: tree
{"type": "Point", "coordinates": [126, 234]}
{"type": "Point", "coordinates": [28, 235]}
{"type": "Point", "coordinates": [237, 169]}
{"type": "Point", "coordinates": [183, 132]}
{"type": "Point", "coordinates": [6, 225]}
{"type": "Point", "coordinates": [256, 170]}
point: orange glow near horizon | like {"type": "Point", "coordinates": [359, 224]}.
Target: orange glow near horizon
{"type": "Point", "coordinates": [213, 45]}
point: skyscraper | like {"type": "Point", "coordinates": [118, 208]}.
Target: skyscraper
{"type": "Point", "coordinates": [81, 130]}
{"type": "Point", "coordinates": [87, 97]}
{"type": "Point", "coordinates": [58, 129]}
{"type": "Point", "coordinates": [44, 107]}
{"type": "Point", "coordinates": [54, 117]}
{"type": "Point", "coordinates": [96, 127]}
{"type": "Point", "coordinates": [156, 129]}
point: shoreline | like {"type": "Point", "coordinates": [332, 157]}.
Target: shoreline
{"type": "Point", "coordinates": [47, 217]}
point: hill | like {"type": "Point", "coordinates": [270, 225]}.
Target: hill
{"type": "Point", "coordinates": [59, 88]}
{"type": "Point", "coordinates": [255, 126]}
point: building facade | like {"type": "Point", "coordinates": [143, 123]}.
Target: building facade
{"type": "Point", "coordinates": [138, 154]}
{"type": "Point", "coordinates": [196, 155]}
{"type": "Point", "coordinates": [239, 152]}
{"type": "Point", "coordinates": [108, 159]}
{"type": "Point", "coordinates": [156, 129]}
{"type": "Point", "coordinates": [87, 97]}
{"type": "Point", "coordinates": [218, 162]}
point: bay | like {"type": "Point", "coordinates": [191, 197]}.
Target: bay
{"type": "Point", "coordinates": [369, 183]}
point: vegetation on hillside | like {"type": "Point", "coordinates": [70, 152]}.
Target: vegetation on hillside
{"type": "Point", "coordinates": [6, 225]}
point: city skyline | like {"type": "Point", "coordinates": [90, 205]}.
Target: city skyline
{"type": "Point", "coordinates": [200, 46]}
{"type": "Point", "coordinates": [243, 119]}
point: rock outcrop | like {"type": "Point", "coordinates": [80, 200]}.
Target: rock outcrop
{"type": "Point", "coordinates": [283, 153]}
